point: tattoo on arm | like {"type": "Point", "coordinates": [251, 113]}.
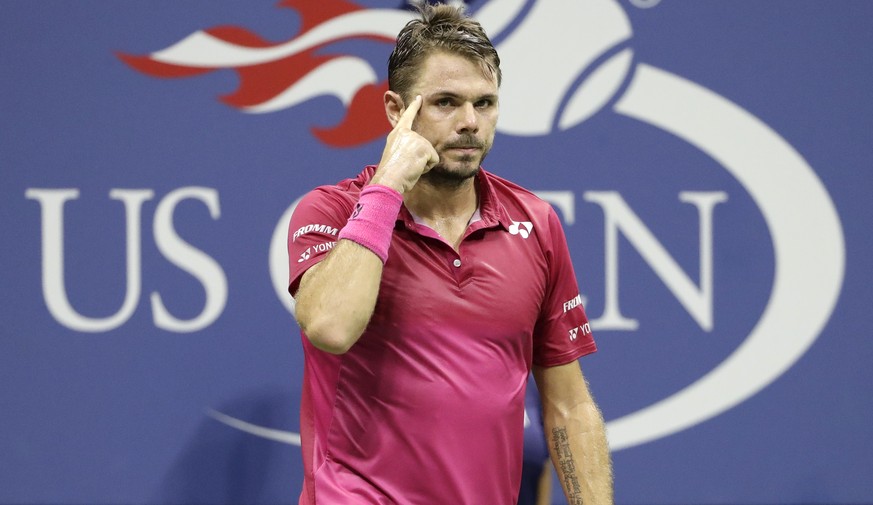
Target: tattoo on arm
{"type": "Point", "coordinates": [561, 448]}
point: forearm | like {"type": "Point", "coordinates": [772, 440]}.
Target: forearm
{"type": "Point", "coordinates": [579, 451]}
{"type": "Point", "coordinates": [576, 434]}
{"type": "Point", "coordinates": [336, 298]}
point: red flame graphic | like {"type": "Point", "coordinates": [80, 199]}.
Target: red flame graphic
{"type": "Point", "coordinates": [364, 120]}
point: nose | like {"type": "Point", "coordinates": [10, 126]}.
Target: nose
{"type": "Point", "coordinates": [468, 118]}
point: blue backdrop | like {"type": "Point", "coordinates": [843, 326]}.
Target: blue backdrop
{"type": "Point", "coordinates": [711, 162]}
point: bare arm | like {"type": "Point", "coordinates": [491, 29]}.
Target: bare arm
{"type": "Point", "coordinates": [576, 435]}
{"type": "Point", "coordinates": [336, 298]}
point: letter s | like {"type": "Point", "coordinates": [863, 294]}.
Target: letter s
{"type": "Point", "coordinates": [190, 259]}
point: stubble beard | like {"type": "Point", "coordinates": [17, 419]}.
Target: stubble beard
{"type": "Point", "coordinates": [442, 176]}
{"type": "Point", "coordinates": [466, 167]}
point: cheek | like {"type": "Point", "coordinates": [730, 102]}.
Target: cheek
{"type": "Point", "coordinates": [488, 119]}
{"type": "Point", "coordinates": [488, 127]}
{"type": "Point", "coordinates": [434, 131]}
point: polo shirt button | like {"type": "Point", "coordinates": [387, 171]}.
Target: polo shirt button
{"type": "Point", "coordinates": [457, 262]}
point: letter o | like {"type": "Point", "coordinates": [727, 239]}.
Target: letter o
{"type": "Point", "coordinates": [278, 258]}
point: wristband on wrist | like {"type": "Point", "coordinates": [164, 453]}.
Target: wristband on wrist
{"type": "Point", "coordinates": [372, 222]}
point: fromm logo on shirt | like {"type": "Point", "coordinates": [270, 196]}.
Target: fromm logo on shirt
{"type": "Point", "coordinates": [314, 228]}
{"type": "Point", "coordinates": [572, 304]}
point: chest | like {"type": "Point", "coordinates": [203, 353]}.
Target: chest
{"type": "Point", "coordinates": [492, 286]}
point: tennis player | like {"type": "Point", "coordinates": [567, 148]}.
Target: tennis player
{"type": "Point", "coordinates": [427, 289]}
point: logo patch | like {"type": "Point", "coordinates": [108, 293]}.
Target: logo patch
{"type": "Point", "coordinates": [358, 208]}
{"type": "Point", "coordinates": [314, 228]}
{"type": "Point", "coordinates": [574, 332]}
{"type": "Point", "coordinates": [572, 304]}
{"type": "Point", "coordinates": [305, 256]}
{"type": "Point", "coordinates": [522, 228]}
{"type": "Point", "coordinates": [316, 249]}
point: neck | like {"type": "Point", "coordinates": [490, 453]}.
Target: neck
{"type": "Point", "coordinates": [433, 200]}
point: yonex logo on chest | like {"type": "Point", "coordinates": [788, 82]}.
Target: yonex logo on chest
{"type": "Point", "coordinates": [522, 228]}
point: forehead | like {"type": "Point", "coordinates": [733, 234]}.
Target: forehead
{"type": "Point", "coordinates": [446, 72]}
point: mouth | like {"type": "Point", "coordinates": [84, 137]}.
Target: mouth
{"type": "Point", "coordinates": [469, 147]}
{"type": "Point", "coordinates": [465, 148]}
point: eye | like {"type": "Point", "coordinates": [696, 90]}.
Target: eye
{"type": "Point", "coordinates": [444, 102]}
{"type": "Point", "coordinates": [484, 103]}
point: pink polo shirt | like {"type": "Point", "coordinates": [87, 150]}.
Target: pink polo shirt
{"type": "Point", "coordinates": [428, 406]}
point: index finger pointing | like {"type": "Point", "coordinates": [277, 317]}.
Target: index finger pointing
{"type": "Point", "coordinates": [409, 114]}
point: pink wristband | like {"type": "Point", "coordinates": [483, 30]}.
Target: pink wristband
{"type": "Point", "coordinates": [372, 223]}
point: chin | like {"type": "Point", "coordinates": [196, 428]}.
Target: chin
{"type": "Point", "coordinates": [451, 176]}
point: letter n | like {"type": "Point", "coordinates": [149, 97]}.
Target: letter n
{"type": "Point", "coordinates": [618, 217]}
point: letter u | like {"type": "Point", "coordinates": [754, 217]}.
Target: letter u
{"type": "Point", "coordinates": [53, 284]}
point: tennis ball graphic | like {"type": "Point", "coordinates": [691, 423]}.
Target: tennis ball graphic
{"type": "Point", "coordinates": [562, 61]}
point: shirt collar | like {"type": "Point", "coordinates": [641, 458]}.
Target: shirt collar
{"type": "Point", "coordinates": [491, 209]}
{"type": "Point", "coordinates": [490, 212]}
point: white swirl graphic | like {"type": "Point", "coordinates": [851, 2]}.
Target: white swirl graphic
{"type": "Point", "coordinates": [200, 49]}
{"type": "Point", "coordinates": [809, 273]}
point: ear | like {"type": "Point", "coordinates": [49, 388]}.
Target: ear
{"type": "Point", "coordinates": [394, 107]}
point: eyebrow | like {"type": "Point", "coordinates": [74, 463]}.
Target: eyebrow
{"type": "Point", "coordinates": [451, 94]}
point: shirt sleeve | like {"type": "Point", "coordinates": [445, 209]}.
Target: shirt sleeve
{"type": "Point", "coordinates": [313, 230]}
{"type": "Point", "coordinates": [562, 333]}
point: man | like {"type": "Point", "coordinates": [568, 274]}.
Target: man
{"type": "Point", "coordinates": [439, 294]}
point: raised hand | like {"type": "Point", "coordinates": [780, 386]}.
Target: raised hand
{"type": "Point", "coordinates": [407, 154]}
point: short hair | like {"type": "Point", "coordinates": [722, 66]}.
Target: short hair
{"type": "Point", "coordinates": [440, 28]}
